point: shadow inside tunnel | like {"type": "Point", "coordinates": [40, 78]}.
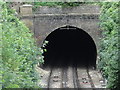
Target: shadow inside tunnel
{"type": "Point", "coordinates": [69, 46]}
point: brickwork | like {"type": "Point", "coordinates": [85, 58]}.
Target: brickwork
{"type": "Point", "coordinates": [46, 20]}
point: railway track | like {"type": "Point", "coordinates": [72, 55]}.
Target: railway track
{"type": "Point", "coordinates": [64, 77]}
{"type": "Point", "coordinates": [90, 79]}
{"type": "Point", "coordinates": [72, 77]}
{"type": "Point", "coordinates": [75, 78]}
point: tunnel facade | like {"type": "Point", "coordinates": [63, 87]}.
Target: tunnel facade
{"type": "Point", "coordinates": [70, 45]}
{"type": "Point", "coordinates": [42, 23]}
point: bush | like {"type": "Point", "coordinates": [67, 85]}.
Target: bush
{"type": "Point", "coordinates": [109, 60]}
{"type": "Point", "coordinates": [19, 52]}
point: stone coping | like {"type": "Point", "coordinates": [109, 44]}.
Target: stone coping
{"type": "Point", "coordinates": [84, 16]}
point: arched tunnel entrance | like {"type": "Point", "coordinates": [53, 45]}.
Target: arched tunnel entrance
{"type": "Point", "coordinates": [70, 46]}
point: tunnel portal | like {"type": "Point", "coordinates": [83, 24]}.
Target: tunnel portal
{"type": "Point", "coordinates": [69, 46]}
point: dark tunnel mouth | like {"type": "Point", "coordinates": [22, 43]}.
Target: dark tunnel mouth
{"type": "Point", "coordinates": [68, 46]}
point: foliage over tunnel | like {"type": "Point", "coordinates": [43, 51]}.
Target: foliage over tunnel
{"type": "Point", "coordinates": [70, 46]}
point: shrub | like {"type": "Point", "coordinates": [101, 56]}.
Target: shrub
{"type": "Point", "coordinates": [19, 52]}
{"type": "Point", "coordinates": [109, 60]}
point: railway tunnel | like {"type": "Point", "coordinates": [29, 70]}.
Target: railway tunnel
{"type": "Point", "coordinates": [69, 46]}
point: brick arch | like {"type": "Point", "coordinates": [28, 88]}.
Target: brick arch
{"type": "Point", "coordinates": [69, 30]}
{"type": "Point", "coordinates": [76, 26]}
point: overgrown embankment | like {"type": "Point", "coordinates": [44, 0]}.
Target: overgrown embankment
{"type": "Point", "coordinates": [109, 57]}
{"type": "Point", "coordinates": [19, 52]}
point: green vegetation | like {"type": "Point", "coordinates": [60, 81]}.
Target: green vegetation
{"type": "Point", "coordinates": [53, 4]}
{"type": "Point", "coordinates": [19, 52]}
{"type": "Point", "coordinates": [64, 4]}
{"type": "Point", "coordinates": [109, 60]}
{"type": "Point", "coordinates": [0, 49]}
